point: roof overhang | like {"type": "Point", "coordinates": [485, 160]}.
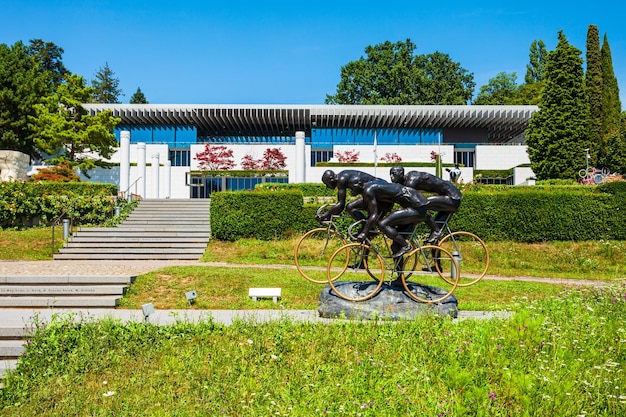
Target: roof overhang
{"type": "Point", "coordinates": [501, 122]}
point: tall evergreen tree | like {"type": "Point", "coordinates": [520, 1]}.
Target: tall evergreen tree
{"type": "Point", "coordinates": [138, 97]}
{"type": "Point", "coordinates": [50, 62]}
{"type": "Point", "coordinates": [612, 139]}
{"type": "Point", "coordinates": [558, 133]}
{"type": "Point", "coordinates": [27, 73]}
{"type": "Point", "coordinates": [593, 82]}
{"type": "Point", "coordinates": [106, 86]}
{"type": "Point", "coordinates": [611, 105]}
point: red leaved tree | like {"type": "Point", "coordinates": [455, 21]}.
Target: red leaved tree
{"type": "Point", "coordinates": [274, 159]}
{"type": "Point", "coordinates": [347, 156]}
{"type": "Point", "coordinates": [391, 157]}
{"type": "Point", "coordinates": [248, 162]}
{"type": "Point", "coordinates": [215, 157]}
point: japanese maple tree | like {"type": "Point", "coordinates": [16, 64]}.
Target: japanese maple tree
{"type": "Point", "coordinates": [274, 159]}
{"type": "Point", "coordinates": [215, 157]}
{"type": "Point", "coordinates": [391, 157]}
{"type": "Point", "coordinates": [249, 163]}
{"type": "Point", "coordinates": [347, 156]}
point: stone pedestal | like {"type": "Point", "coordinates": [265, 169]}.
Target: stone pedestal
{"type": "Point", "coordinates": [391, 303]}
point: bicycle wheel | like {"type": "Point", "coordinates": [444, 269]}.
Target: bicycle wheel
{"type": "Point", "coordinates": [433, 288]}
{"type": "Point", "coordinates": [471, 253]}
{"type": "Point", "coordinates": [353, 283]}
{"type": "Point", "coordinates": [407, 263]}
{"type": "Point", "coordinates": [313, 251]}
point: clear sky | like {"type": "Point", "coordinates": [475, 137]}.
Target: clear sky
{"type": "Point", "coordinates": [291, 52]}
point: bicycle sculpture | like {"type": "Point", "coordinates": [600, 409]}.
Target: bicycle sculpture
{"type": "Point", "coordinates": [355, 260]}
{"type": "Point", "coordinates": [592, 175]}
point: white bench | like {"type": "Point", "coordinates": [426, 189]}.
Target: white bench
{"type": "Point", "coordinates": [256, 293]}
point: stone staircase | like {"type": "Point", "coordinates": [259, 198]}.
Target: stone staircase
{"type": "Point", "coordinates": [156, 229]}
{"type": "Point", "coordinates": [18, 292]}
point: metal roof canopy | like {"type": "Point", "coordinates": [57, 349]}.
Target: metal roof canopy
{"type": "Point", "coordinates": [502, 122]}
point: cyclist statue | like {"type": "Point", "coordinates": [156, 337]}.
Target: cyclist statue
{"type": "Point", "coordinates": [446, 200]}
{"type": "Point", "coordinates": [340, 182]}
{"type": "Point", "coordinates": [376, 194]}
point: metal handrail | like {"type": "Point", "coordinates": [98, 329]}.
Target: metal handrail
{"type": "Point", "coordinates": [126, 193]}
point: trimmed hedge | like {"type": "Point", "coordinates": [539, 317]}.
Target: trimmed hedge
{"type": "Point", "coordinates": [524, 214]}
{"type": "Point", "coordinates": [260, 214]}
{"type": "Point", "coordinates": [34, 203]}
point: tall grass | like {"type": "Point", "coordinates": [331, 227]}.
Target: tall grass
{"type": "Point", "coordinates": [563, 355]}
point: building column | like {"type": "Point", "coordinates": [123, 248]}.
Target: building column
{"type": "Point", "coordinates": [167, 178]}
{"type": "Point", "coordinates": [300, 157]}
{"type": "Point", "coordinates": [141, 169]}
{"type": "Point", "coordinates": [155, 175]}
{"type": "Point", "coordinates": [125, 163]}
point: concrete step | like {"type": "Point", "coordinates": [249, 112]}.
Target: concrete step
{"type": "Point", "coordinates": [108, 240]}
{"type": "Point", "coordinates": [11, 349]}
{"type": "Point", "coordinates": [137, 244]}
{"type": "Point", "coordinates": [5, 365]}
{"type": "Point", "coordinates": [193, 229]}
{"type": "Point", "coordinates": [102, 301]}
{"type": "Point", "coordinates": [126, 256]}
{"type": "Point", "coordinates": [198, 234]}
{"type": "Point", "coordinates": [133, 249]}
{"type": "Point", "coordinates": [175, 219]}
{"type": "Point", "coordinates": [37, 290]}
{"type": "Point", "coordinates": [67, 279]}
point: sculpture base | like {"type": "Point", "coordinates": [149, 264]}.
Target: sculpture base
{"type": "Point", "coordinates": [391, 303]}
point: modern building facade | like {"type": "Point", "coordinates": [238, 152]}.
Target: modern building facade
{"type": "Point", "coordinates": [170, 136]}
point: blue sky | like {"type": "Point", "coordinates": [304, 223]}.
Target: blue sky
{"type": "Point", "coordinates": [289, 52]}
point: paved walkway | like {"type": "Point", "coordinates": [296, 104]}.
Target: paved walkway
{"type": "Point", "coordinates": [133, 268]}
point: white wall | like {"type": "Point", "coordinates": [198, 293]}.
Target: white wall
{"type": "Point", "coordinates": [487, 157]}
{"type": "Point", "coordinates": [500, 156]}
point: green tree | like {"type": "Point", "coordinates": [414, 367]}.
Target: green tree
{"type": "Point", "coordinates": [138, 97]}
{"type": "Point", "coordinates": [612, 138]}
{"type": "Point", "coordinates": [535, 69]}
{"type": "Point", "coordinates": [106, 87]}
{"type": "Point", "coordinates": [66, 131]}
{"type": "Point", "coordinates": [593, 83]}
{"type": "Point", "coordinates": [392, 74]}
{"type": "Point", "coordinates": [530, 92]}
{"type": "Point", "coordinates": [27, 73]}
{"type": "Point", "coordinates": [501, 89]}
{"type": "Point", "coordinates": [445, 81]}
{"type": "Point", "coordinates": [558, 133]}
{"type": "Point", "coordinates": [50, 60]}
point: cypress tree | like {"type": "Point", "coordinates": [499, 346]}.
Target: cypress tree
{"type": "Point", "coordinates": [558, 133]}
{"type": "Point", "coordinates": [614, 157]}
{"type": "Point", "coordinates": [611, 105]}
{"type": "Point", "coordinates": [593, 82]}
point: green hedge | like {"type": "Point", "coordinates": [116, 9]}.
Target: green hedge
{"type": "Point", "coordinates": [260, 214]}
{"type": "Point", "coordinates": [525, 214]}
{"type": "Point", "coordinates": [34, 203]}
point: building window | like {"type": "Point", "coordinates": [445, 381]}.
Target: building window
{"type": "Point", "coordinates": [180, 157]}
{"type": "Point", "coordinates": [321, 156]}
{"type": "Point", "coordinates": [465, 158]}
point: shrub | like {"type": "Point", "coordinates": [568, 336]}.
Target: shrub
{"type": "Point", "coordinates": [260, 214]}
{"type": "Point", "coordinates": [32, 203]}
{"type": "Point", "coordinates": [523, 214]}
